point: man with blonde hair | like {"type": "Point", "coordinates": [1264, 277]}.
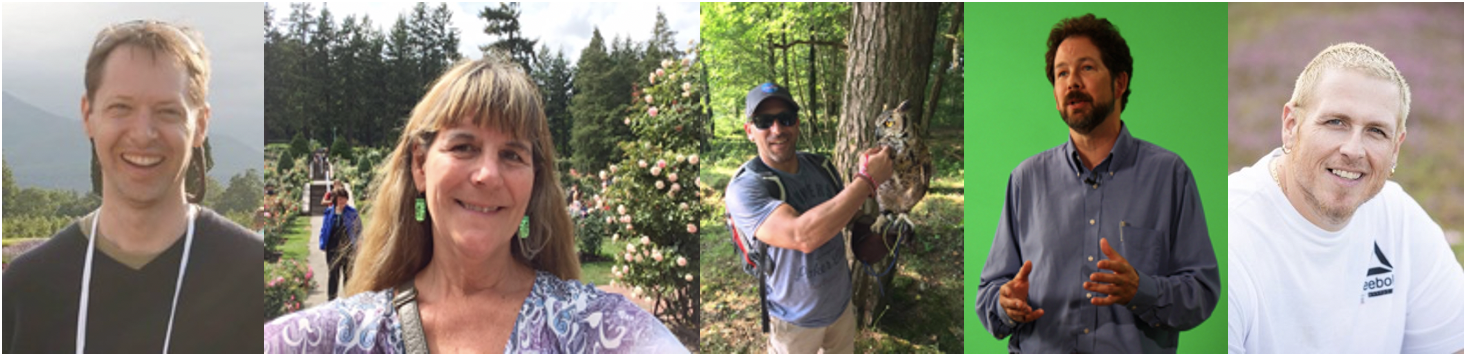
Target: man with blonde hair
{"type": "Point", "coordinates": [1327, 254]}
{"type": "Point", "coordinates": [151, 270]}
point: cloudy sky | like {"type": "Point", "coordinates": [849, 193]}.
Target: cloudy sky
{"type": "Point", "coordinates": [45, 48]}
{"type": "Point", "coordinates": [560, 26]}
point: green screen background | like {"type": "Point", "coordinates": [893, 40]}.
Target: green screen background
{"type": "Point", "coordinates": [1178, 101]}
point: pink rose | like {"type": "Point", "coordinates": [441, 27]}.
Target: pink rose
{"type": "Point", "coordinates": [621, 209]}
{"type": "Point", "coordinates": [657, 256]}
{"type": "Point", "coordinates": [672, 177]}
{"type": "Point", "coordinates": [648, 98]}
{"type": "Point", "coordinates": [628, 256]}
{"type": "Point", "coordinates": [660, 185]}
{"type": "Point", "coordinates": [692, 159]}
{"type": "Point", "coordinates": [661, 163]}
{"type": "Point", "coordinates": [681, 261]}
{"type": "Point", "coordinates": [676, 187]}
{"type": "Point", "coordinates": [641, 163]}
{"type": "Point", "coordinates": [652, 111]}
{"type": "Point", "coordinates": [661, 72]}
{"type": "Point", "coordinates": [656, 171]}
{"type": "Point", "coordinates": [691, 229]}
{"type": "Point", "coordinates": [688, 277]}
{"type": "Point", "coordinates": [646, 240]}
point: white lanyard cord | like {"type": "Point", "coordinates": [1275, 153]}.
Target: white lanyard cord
{"type": "Point", "coordinates": [86, 283]}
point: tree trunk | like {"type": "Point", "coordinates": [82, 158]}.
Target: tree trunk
{"type": "Point", "coordinates": [943, 60]}
{"type": "Point", "coordinates": [889, 57]}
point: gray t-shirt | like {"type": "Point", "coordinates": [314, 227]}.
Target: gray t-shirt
{"type": "Point", "coordinates": [807, 290]}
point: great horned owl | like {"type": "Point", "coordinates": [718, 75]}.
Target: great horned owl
{"type": "Point", "coordinates": [911, 164]}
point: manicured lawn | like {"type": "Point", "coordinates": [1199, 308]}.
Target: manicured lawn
{"type": "Point", "coordinates": [599, 272]}
{"type": "Point", "coordinates": [298, 240]}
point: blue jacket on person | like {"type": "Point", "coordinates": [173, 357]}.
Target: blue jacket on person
{"type": "Point", "coordinates": [351, 221]}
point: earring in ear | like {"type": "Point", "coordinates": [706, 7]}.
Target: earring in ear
{"type": "Point", "coordinates": [524, 227]}
{"type": "Point", "coordinates": [422, 209]}
{"type": "Point", "coordinates": [1285, 149]}
{"type": "Point", "coordinates": [1392, 169]}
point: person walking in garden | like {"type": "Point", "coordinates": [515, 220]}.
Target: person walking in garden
{"type": "Point", "coordinates": [469, 248]}
{"type": "Point", "coordinates": [809, 290]}
{"type": "Point", "coordinates": [339, 231]}
{"type": "Point", "coordinates": [150, 270]}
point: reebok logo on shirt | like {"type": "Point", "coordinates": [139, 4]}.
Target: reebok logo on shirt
{"type": "Point", "coordinates": [1380, 280]}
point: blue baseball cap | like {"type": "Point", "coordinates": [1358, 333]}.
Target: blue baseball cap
{"type": "Point", "coordinates": [764, 92]}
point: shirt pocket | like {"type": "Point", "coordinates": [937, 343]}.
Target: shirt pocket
{"type": "Point", "coordinates": [1147, 250]}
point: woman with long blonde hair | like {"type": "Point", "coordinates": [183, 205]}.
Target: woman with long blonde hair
{"type": "Point", "coordinates": [468, 247]}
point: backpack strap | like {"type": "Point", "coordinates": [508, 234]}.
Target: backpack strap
{"type": "Point", "coordinates": [826, 167]}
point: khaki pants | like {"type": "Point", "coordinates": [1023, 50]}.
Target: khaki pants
{"type": "Point", "coordinates": [838, 338]}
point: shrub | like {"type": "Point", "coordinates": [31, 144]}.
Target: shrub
{"type": "Point", "coordinates": [287, 283]}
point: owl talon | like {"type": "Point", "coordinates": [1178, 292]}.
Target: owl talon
{"type": "Point", "coordinates": [880, 225]}
{"type": "Point", "coordinates": [906, 221]}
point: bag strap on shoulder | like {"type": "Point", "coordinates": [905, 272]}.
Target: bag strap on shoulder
{"type": "Point", "coordinates": [405, 303]}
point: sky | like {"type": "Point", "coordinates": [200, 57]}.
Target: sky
{"type": "Point", "coordinates": [559, 26]}
{"type": "Point", "coordinates": [43, 48]}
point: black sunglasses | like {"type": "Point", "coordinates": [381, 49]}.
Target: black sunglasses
{"type": "Point", "coordinates": [764, 121]}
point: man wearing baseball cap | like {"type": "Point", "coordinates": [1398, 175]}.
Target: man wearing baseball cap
{"type": "Point", "coordinates": [808, 281]}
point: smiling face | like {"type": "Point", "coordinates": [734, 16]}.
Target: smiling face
{"type": "Point", "coordinates": [1343, 145]}
{"type": "Point", "coordinates": [478, 183]}
{"type": "Point", "coordinates": [143, 127]}
{"type": "Point", "coordinates": [775, 144]}
{"type": "Point", "coordinates": [1084, 89]}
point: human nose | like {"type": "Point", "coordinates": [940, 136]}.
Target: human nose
{"type": "Point", "coordinates": [488, 172]}
{"type": "Point", "coordinates": [1353, 147]}
{"type": "Point", "coordinates": [141, 127]}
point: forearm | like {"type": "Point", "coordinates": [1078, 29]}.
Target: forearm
{"type": "Point", "coordinates": [817, 226]}
{"type": "Point", "coordinates": [1180, 301]}
{"type": "Point", "coordinates": [990, 311]}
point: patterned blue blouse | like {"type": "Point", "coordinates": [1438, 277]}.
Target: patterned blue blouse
{"type": "Point", "coordinates": [558, 317]}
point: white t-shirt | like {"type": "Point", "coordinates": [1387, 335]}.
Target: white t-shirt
{"type": "Point", "coordinates": [1386, 283]}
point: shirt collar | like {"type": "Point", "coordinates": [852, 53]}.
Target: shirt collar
{"type": "Point", "coordinates": [1122, 155]}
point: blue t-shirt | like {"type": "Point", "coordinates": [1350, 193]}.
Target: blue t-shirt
{"type": "Point", "coordinates": [807, 290]}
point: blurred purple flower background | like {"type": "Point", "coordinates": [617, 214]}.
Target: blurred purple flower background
{"type": "Point", "coordinates": [1269, 44]}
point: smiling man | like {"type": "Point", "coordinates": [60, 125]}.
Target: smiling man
{"type": "Point", "coordinates": [808, 279]}
{"type": "Point", "coordinates": [1102, 245]}
{"type": "Point", "coordinates": [150, 271]}
{"type": "Point", "coordinates": [1328, 255]}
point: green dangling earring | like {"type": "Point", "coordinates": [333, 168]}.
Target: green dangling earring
{"type": "Point", "coordinates": [524, 227]}
{"type": "Point", "coordinates": [422, 209]}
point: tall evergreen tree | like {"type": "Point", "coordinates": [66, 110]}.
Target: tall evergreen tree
{"type": "Point", "coordinates": [594, 108]}
{"type": "Point", "coordinates": [553, 74]}
{"type": "Point", "coordinates": [503, 23]}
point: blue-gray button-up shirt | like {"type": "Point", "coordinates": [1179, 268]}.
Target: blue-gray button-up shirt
{"type": "Point", "coordinates": [1143, 199]}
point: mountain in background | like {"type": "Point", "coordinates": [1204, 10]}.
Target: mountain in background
{"type": "Point", "coordinates": [51, 151]}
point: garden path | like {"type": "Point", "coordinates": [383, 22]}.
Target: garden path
{"type": "Point", "coordinates": [317, 294]}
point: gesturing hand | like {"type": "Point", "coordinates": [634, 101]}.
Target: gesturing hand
{"type": "Point", "coordinates": [1013, 296]}
{"type": "Point", "coordinates": [1121, 285]}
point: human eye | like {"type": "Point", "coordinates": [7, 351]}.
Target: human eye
{"type": "Point", "coordinates": [1061, 73]}
{"type": "Point", "coordinates": [462, 149]}
{"type": "Point", "coordinates": [1088, 67]}
{"type": "Point", "coordinates": [1333, 122]}
{"type": "Point", "coordinates": [118, 109]}
{"type": "Point", "coordinates": [512, 155]}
